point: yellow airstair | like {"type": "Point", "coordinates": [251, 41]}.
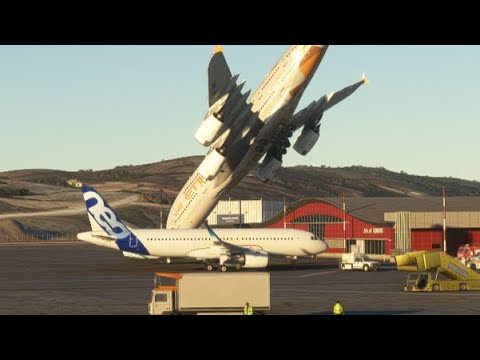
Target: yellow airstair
{"type": "Point", "coordinates": [436, 271]}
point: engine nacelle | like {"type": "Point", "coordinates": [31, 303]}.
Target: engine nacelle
{"type": "Point", "coordinates": [211, 165]}
{"type": "Point", "coordinates": [254, 260]}
{"type": "Point", "coordinates": [209, 131]}
{"type": "Point", "coordinates": [269, 168]}
{"type": "Point", "coordinates": [306, 141]}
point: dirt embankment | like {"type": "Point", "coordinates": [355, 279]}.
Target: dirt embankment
{"type": "Point", "coordinates": [11, 230]}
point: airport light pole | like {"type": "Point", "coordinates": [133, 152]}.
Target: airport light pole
{"type": "Point", "coordinates": [444, 219]}
{"type": "Point", "coordinates": [344, 223]}
{"type": "Point", "coordinates": [284, 213]}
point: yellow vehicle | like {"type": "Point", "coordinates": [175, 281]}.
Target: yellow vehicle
{"type": "Point", "coordinates": [436, 271]}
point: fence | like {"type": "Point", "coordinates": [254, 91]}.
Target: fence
{"type": "Point", "coordinates": [37, 238]}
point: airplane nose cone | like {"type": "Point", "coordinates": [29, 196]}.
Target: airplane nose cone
{"type": "Point", "coordinates": [323, 247]}
{"type": "Point", "coordinates": [313, 57]}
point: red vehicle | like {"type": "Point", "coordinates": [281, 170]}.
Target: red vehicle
{"type": "Point", "coordinates": [466, 251]}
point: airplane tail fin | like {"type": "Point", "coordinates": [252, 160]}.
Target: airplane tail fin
{"type": "Point", "coordinates": [108, 225]}
{"type": "Point", "coordinates": [219, 74]}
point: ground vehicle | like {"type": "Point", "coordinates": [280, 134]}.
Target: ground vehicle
{"type": "Point", "coordinates": [473, 262]}
{"type": "Point", "coordinates": [464, 252]}
{"type": "Point", "coordinates": [436, 271]}
{"type": "Point", "coordinates": [355, 261]}
{"type": "Point", "coordinates": [209, 293]}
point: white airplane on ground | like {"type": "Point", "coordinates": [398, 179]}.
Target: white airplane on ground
{"type": "Point", "coordinates": [229, 248]}
{"type": "Point", "coordinates": [241, 131]}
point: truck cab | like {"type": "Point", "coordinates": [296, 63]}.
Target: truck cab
{"type": "Point", "coordinates": [162, 299]}
{"type": "Point", "coordinates": [161, 303]}
{"type": "Point", "coordinates": [353, 261]}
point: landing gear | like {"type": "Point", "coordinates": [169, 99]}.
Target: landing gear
{"type": "Point", "coordinates": [223, 268]}
{"type": "Point", "coordinates": [209, 267]}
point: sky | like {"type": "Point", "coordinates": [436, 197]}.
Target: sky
{"type": "Point", "coordinates": [97, 107]}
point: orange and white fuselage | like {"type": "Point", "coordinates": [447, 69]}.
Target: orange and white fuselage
{"type": "Point", "coordinates": [274, 102]}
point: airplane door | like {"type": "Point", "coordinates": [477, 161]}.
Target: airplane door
{"type": "Point", "coordinates": [133, 243]}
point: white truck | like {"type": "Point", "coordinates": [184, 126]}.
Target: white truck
{"type": "Point", "coordinates": [355, 261]}
{"type": "Point", "coordinates": [472, 262]}
{"type": "Point", "coordinates": [209, 293]}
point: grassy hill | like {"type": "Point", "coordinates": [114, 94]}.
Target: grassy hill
{"type": "Point", "coordinates": [294, 183]}
{"type": "Point", "coordinates": [139, 190]}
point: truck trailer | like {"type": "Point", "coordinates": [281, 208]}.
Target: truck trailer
{"type": "Point", "coordinates": [209, 293]}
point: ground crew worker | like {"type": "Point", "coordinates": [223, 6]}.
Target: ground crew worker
{"type": "Point", "coordinates": [338, 309]}
{"type": "Point", "coordinates": [247, 310]}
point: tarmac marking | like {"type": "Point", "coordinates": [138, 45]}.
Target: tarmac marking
{"type": "Point", "coordinates": [400, 293]}
{"type": "Point", "coordinates": [317, 274]}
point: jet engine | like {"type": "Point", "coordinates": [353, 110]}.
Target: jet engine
{"type": "Point", "coordinates": [211, 165]}
{"type": "Point", "coordinates": [254, 260]}
{"type": "Point", "coordinates": [209, 131]}
{"type": "Point", "coordinates": [269, 168]}
{"type": "Point", "coordinates": [307, 140]}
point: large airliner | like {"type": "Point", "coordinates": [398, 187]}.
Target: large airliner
{"type": "Point", "coordinates": [241, 130]}
{"type": "Point", "coordinates": [226, 248]}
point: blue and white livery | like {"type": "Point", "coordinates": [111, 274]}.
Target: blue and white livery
{"type": "Point", "coordinates": [227, 248]}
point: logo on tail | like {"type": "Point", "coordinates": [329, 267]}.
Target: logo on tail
{"type": "Point", "coordinates": [103, 215]}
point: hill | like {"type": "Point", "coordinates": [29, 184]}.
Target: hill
{"type": "Point", "coordinates": [38, 202]}
{"type": "Point", "coordinates": [294, 183]}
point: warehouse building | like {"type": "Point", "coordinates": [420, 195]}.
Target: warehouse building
{"type": "Point", "coordinates": [379, 226]}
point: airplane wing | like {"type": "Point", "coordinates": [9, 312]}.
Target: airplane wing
{"type": "Point", "coordinates": [312, 114]}
{"type": "Point", "coordinates": [219, 74]}
{"type": "Point", "coordinates": [309, 118]}
{"type": "Point", "coordinates": [229, 255]}
{"type": "Point", "coordinates": [229, 248]}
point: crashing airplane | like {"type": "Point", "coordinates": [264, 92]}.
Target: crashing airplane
{"type": "Point", "coordinates": [241, 130]}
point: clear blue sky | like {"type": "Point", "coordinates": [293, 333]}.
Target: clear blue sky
{"type": "Point", "coordinates": [96, 107]}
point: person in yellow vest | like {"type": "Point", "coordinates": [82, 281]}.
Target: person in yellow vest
{"type": "Point", "coordinates": [338, 309]}
{"type": "Point", "coordinates": [247, 310]}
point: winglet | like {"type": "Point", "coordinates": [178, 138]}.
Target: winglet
{"type": "Point", "coordinates": [215, 238]}
{"type": "Point", "coordinates": [218, 49]}
{"type": "Point", "coordinates": [364, 79]}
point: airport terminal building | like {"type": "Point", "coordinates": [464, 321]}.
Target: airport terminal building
{"type": "Point", "coordinates": [379, 226]}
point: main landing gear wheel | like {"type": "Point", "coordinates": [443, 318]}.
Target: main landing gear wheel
{"type": "Point", "coordinates": [209, 267]}
{"type": "Point", "coordinates": [223, 268]}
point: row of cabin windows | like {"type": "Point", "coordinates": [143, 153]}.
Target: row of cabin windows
{"type": "Point", "coordinates": [225, 239]}
{"type": "Point", "coordinates": [266, 102]}
{"type": "Point", "coordinates": [271, 77]}
{"type": "Point", "coordinates": [186, 207]}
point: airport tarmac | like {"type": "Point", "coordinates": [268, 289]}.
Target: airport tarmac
{"type": "Point", "coordinates": [75, 278]}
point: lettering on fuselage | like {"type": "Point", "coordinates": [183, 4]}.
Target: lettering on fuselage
{"type": "Point", "coordinates": [104, 216]}
{"type": "Point", "coordinates": [190, 192]}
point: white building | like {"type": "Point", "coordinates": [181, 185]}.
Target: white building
{"type": "Point", "coordinates": [232, 212]}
